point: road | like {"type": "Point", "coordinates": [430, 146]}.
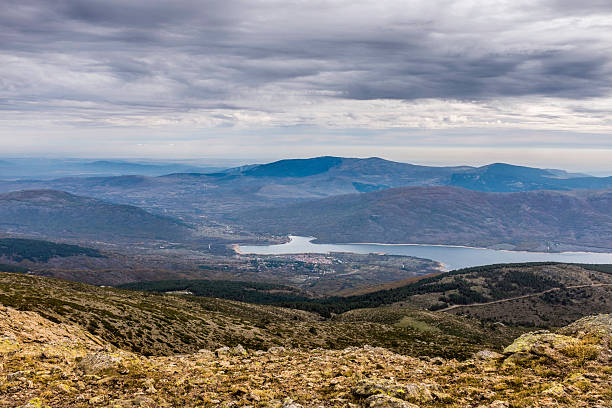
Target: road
{"type": "Point", "coordinates": [593, 285]}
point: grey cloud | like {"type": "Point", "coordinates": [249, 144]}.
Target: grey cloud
{"type": "Point", "coordinates": [580, 7]}
{"type": "Point", "coordinates": [186, 54]}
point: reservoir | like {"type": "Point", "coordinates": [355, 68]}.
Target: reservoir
{"type": "Point", "coordinates": [453, 257]}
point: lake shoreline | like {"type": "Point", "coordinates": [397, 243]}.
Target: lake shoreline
{"type": "Point", "coordinates": [449, 256]}
{"type": "Point", "coordinates": [314, 242]}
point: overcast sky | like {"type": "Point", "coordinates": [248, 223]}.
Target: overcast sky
{"type": "Point", "coordinates": [430, 81]}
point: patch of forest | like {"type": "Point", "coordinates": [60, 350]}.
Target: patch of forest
{"type": "Point", "coordinates": [459, 287]}
{"type": "Point", "coordinates": [18, 249]}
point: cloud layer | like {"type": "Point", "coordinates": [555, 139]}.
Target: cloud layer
{"type": "Point", "coordinates": [269, 64]}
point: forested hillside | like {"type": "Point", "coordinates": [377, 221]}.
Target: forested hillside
{"type": "Point", "coordinates": [539, 220]}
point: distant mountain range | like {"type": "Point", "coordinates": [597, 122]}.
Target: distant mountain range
{"type": "Point", "coordinates": [500, 177]}
{"type": "Point", "coordinates": [542, 220]}
{"type": "Point", "coordinates": [193, 195]}
{"type": "Point", "coordinates": [54, 168]}
{"type": "Point", "coordinates": [362, 200]}
{"type": "Point", "coordinates": [63, 215]}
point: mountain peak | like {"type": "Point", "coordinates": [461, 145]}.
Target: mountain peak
{"type": "Point", "coordinates": [295, 167]}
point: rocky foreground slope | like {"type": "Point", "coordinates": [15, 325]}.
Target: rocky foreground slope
{"type": "Point", "coordinates": [47, 364]}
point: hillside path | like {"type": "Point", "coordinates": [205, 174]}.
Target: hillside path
{"type": "Point", "coordinates": [446, 309]}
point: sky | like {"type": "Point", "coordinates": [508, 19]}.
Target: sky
{"type": "Point", "coordinates": [428, 82]}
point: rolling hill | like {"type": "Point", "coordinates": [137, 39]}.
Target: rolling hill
{"type": "Point", "coordinates": [448, 215]}
{"type": "Point", "coordinates": [501, 177]}
{"type": "Point", "coordinates": [194, 196]}
{"type": "Point", "coordinates": [17, 250]}
{"type": "Point", "coordinates": [544, 294]}
{"type": "Point", "coordinates": [46, 168]}
{"type": "Point", "coordinates": [59, 214]}
{"type": "Point", "coordinates": [534, 294]}
{"type": "Point", "coordinates": [374, 173]}
{"type": "Point", "coordinates": [157, 324]}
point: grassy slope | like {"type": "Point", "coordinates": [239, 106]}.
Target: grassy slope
{"type": "Point", "coordinates": [164, 324]}
{"type": "Point", "coordinates": [56, 213]}
{"type": "Point", "coordinates": [552, 298]}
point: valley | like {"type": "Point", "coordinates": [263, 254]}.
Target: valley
{"type": "Point", "coordinates": [203, 270]}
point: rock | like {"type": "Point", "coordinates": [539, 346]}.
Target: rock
{"type": "Point", "coordinates": [8, 337]}
{"type": "Point", "coordinates": [556, 390]}
{"type": "Point", "coordinates": [98, 399]}
{"type": "Point", "coordinates": [100, 363]}
{"type": "Point", "coordinates": [63, 388]}
{"type": "Point", "coordinates": [205, 353]}
{"type": "Point", "coordinates": [222, 351]}
{"type": "Point", "coordinates": [238, 351]}
{"type": "Point", "coordinates": [409, 392]}
{"type": "Point", "coordinates": [288, 403]}
{"type": "Point", "coordinates": [276, 350]}
{"type": "Point", "coordinates": [150, 387]}
{"type": "Point", "coordinates": [526, 342]}
{"type": "Point", "coordinates": [484, 355]}
{"type": "Point", "coordinates": [600, 325]}
{"type": "Point", "coordinates": [18, 375]}
{"type": "Point", "coordinates": [596, 335]}
{"type": "Point", "coordinates": [540, 343]}
{"type": "Point", "coordinates": [583, 340]}
{"type": "Point", "coordinates": [416, 393]}
{"type": "Point", "coordinates": [387, 401]}
{"type": "Point", "coordinates": [517, 359]}
{"type": "Point", "coordinates": [142, 401]}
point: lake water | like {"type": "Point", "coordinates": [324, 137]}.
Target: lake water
{"type": "Point", "coordinates": [452, 257]}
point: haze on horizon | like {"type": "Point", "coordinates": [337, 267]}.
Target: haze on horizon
{"type": "Point", "coordinates": [430, 82]}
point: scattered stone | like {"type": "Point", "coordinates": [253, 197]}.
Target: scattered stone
{"type": "Point", "coordinates": [76, 373]}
